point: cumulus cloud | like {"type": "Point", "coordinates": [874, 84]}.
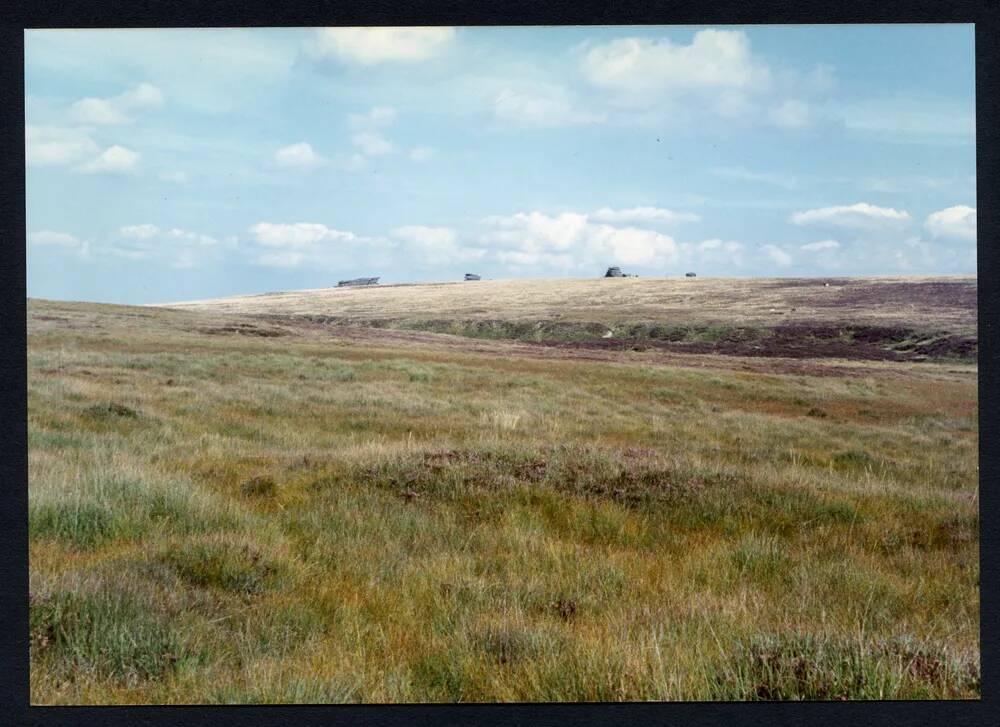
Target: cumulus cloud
{"type": "Point", "coordinates": [643, 214]}
{"type": "Point", "coordinates": [429, 237]}
{"type": "Point", "coordinates": [435, 245]}
{"type": "Point", "coordinates": [821, 245]}
{"type": "Point", "coordinates": [139, 232]}
{"type": "Point", "coordinates": [377, 116]}
{"type": "Point", "coordinates": [958, 222]}
{"type": "Point", "coordinates": [372, 143]}
{"type": "Point", "coordinates": [776, 255]}
{"type": "Point", "coordinates": [54, 146]}
{"type": "Point", "coordinates": [714, 59]}
{"type": "Point", "coordinates": [857, 215]}
{"type": "Point", "coordinates": [714, 254]}
{"type": "Point", "coordinates": [300, 244]}
{"type": "Point", "coordinates": [570, 241]}
{"type": "Point", "coordinates": [96, 111]}
{"type": "Point", "coordinates": [298, 156]}
{"type": "Point", "coordinates": [175, 247]}
{"type": "Point", "coordinates": [544, 107]}
{"type": "Point", "coordinates": [52, 238]}
{"type": "Point", "coordinates": [145, 95]}
{"type": "Point", "coordinates": [113, 160]}
{"type": "Point", "coordinates": [715, 76]}
{"type": "Point", "coordinates": [369, 46]}
{"type": "Point", "coordinates": [188, 236]}
{"type": "Point", "coordinates": [297, 235]}
{"type": "Point", "coordinates": [115, 110]}
{"type": "Point", "coordinates": [148, 231]}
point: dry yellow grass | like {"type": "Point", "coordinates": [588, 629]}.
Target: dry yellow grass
{"type": "Point", "coordinates": [734, 301]}
{"type": "Point", "coordinates": [228, 508]}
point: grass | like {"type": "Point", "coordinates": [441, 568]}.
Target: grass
{"type": "Point", "coordinates": [393, 519]}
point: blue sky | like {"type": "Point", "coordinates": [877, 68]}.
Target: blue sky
{"type": "Point", "coordinates": [178, 164]}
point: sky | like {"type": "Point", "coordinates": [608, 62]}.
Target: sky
{"type": "Point", "coordinates": [179, 164]}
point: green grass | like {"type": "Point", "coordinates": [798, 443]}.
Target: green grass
{"type": "Point", "coordinates": [307, 518]}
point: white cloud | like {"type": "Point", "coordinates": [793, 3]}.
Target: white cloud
{"type": "Point", "coordinates": [51, 238]}
{"type": "Point", "coordinates": [299, 244]}
{"type": "Point", "coordinates": [175, 247]}
{"type": "Point", "coordinates": [857, 215]}
{"type": "Point", "coordinates": [145, 95]}
{"type": "Point", "coordinates": [53, 146]}
{"type": "Point", "coordinates": [713, 254]}
{"type": "Point", "coordinates": [191, 237]}
{"type": "Point", "coordinates": [791, 114]}
{"type": "Point", "coordinates": [298, 156]}
{"type": "Point", "coordinates": [776, 255]}
{"type": "Point", "coordinates": [139, 232]}
{"type": "Point", "coordinates": [114, 110]}
{"type": "Point", "coordinates": [96, 111]}
{"type": "Point", "coordinates": [113, 160]}
{"type": "Point", "coordinates": [821, 245]}
{"type": "Point", "coordinates": [421, 153]}
{"type": "Point", "coordinates": [545, 107]}
{"type": "Point", "coordinates": [643, 214]}
{"type": "Point", "coordinates": [371, 143]}
{"type": "Point", "coordinates": [368, 46]}
{"type": "Point", "coordinates": [958, 222]}
{"type": "Point", "coordinates": [429, 237]}
{"type": "Point", "coordinates": [297, 235]}
{"type": "Point", "coordinates": [377, 116]}
{"type": "Point", "coordinates": [569, 241]}
{"type": "Point", "coordinates": [435, 246]}
{"type": "Point", "coordinates": [714, 59]}
{"type": "Point", "coordinates": [715, 77]}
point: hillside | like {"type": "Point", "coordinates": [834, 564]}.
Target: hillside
{"type": "Point", "coordinates": [244, 502]}
{"type": "Point", "coordinates": [866, 318]}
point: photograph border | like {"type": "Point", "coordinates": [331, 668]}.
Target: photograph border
{"type": "Point", "coordinates": [14, 654]}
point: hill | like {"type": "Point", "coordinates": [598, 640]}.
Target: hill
{"type": "Point", "coordinates": [866, 318]}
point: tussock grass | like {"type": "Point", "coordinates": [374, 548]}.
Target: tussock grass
{"type": "Point", "coordinates": [95, 628]}
{"type": "Point", "coordinates": [797, 666]}
{"type": "Point", "coordinates": [399, 520]}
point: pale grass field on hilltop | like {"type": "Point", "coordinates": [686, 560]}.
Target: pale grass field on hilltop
{"type": "Point", "coordinates": [232, 503]}
{"type": "Point", "coordinates": [734, 301]}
